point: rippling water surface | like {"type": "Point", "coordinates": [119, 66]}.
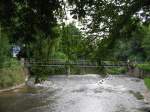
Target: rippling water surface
{"type": "Point", "coordinates": [88, 93]}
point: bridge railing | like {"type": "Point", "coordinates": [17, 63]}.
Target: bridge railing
{"type": "Point", "coordinates": [113, 63]}
{"type": "Point", "coordinates": [60, 62]}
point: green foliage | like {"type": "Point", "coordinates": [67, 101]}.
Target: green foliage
{"type": "Point", "coordinates": [147, 82]}
{"type": "Point", "coordinates": [103, 51]}
{"type": "Point", "coordinates": [122, 49]}
{"type": "Point", "coordinates": [60, 55]}
{"type": "Point", "coordinates": [145, 67]}
{"type": "Point", "coordinates": [116, 71]}
{"type": "Point", "coordinates": [11, 71]}
{"type": "Point", "coordinates": [42, 49]}
{"type": "Point", "coordinates": [34, 23]}
{"type": "Point", "coordinates": [136, 47]}
{"type": "Point", "coordinates": [111, 16]}
{"type": "Point", "coordinates": [11, 75]}
{"type": "Point", "coordinates": [44, 46]}
{"type": "Point", "coordinates": [25, 18]}
{"type": "Point", "coordinates": [146, 40]}
{"type": "Point", "coordinates": [4, 48]}
{"type": "Point", "coordinates": [72, 42]}
{"type": "Point", "coordinates": [39, 49]}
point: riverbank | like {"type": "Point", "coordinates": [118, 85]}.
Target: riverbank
{"type": "Point", "coordinates": [12, 76]}
{"type": "Point", "coordinates": [147, 82]}
{"type": "Point", "coordinates": [12, 88]}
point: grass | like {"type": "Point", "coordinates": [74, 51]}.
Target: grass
{"type": "Point", "coordinates": [12, 74]}
{"type": "Point", "coordinates": [145, 67]}
{"type": "Point", "coordinates": [147, 82]}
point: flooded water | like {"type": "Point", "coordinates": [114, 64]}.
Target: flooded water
{"type": "Point", "coordinates": [88, 93]}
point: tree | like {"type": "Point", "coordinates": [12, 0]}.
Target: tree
{"type": "Point", "coordinates": [4, 48]}
{"type": "Point", "coordinates": [72, 42]}
{"type": "Point", "coordinates": [44, 48]}
{"type": "Point", "coordinates": [135, 48]}
{"type": "Point", "coordinates": [146, 40]}
{"type": "Point", "coordinates": [109, 18]}
{"type": "Point", "coordinates": [25, 18]}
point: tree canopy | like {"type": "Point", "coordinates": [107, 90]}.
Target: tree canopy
{"type": "Point", "coordinates": [104, 20]}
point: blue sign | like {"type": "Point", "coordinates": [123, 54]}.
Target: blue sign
{"type": "Point", "coordinates": [15, 50]}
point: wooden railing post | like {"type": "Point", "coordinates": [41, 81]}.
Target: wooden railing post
{"type": "Point", "coordinates": [68, 70]}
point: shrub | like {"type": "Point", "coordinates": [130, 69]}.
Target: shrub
{"type": "Point", "coordinates": [147, 82]}
{"type": "Point", "coordinates": [11, 75]}
{"type": "Point", "coordinates": [145, 67]}
{"type": "Point", "coordinates": [4, 48]}
{"type": "Point", "coordinates": [119, 70]}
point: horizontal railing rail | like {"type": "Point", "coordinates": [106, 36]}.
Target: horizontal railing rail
{"type": "Point", "coordinates": [80, 63]}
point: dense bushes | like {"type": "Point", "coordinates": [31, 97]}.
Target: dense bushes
{"type": "Point", "coordinates": [12, 74]}
{"type": "Point", "coordinates": [144, 67]}
{"type": "Point", "coordinates": [147, 82]}
{"type": "Point", "coordinates": [4, 48]}
{"type": "Point", "coordinates": [11, 71]}
{"type": "Point", "coordinates": [117, 70]}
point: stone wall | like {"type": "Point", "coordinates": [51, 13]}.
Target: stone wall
{"type": "Point", "coordinates": [136, 72]}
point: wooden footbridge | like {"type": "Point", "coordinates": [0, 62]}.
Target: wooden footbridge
{"type": "Point", "coordinates": [78, 63]}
